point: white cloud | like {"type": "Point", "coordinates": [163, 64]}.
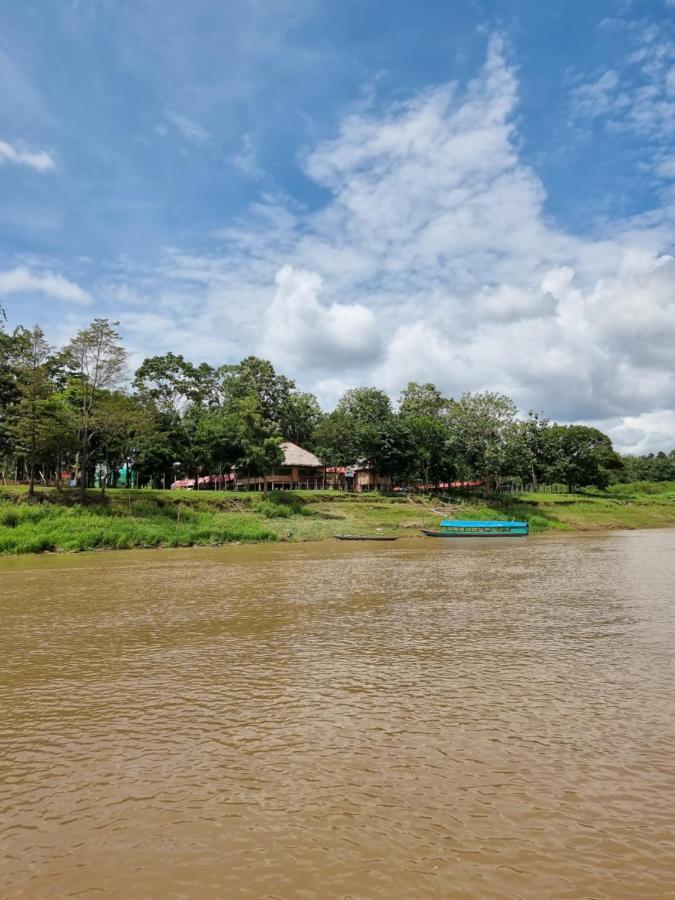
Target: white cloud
{"type": "Point", "coordinates": [192, 131]}
{"type": "Point", "coordinates": [640, 97]}
{"type": "Point", "coordinates": [39, 160]}
{"type": "Point", "coordinates": [246, 159]}
{"type": "Point", "coordinates": [597, 98]}
{"type": "Point", "coordinates": [508, 303]}
{"type": "Point", "coordinates": [22, 281]}
{"type": "Point", "coordinates": [433, 259]}
{"type": "Point", "coordinates": [644, 433]}
{"type": "Point", "coordinates": [300, 330]}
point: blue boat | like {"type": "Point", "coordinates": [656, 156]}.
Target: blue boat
{"type": "Point", "coordinates": [469, 528]}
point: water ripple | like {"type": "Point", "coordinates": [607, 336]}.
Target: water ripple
{"type": "Point", "coordinates": [413, 720]}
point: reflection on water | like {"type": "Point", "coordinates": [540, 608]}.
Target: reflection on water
{"type": "Point", "coordinates": [423, 719]}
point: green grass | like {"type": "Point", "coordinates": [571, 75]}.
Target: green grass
{"type": "Point", "coordinates": [48, 526]}
{"type": "Point", "coordinates": [637, 505]}
{"type": "Point", "coordinates": [55, 520]}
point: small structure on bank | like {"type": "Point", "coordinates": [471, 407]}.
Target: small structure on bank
{"type": "Point", "coordinates": [359, 478]}
{"type": "Point", "coordinates": [300, 470]}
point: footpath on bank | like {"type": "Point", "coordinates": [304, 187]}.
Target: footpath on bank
{"type": "Point", "coordinates": [55, 521]}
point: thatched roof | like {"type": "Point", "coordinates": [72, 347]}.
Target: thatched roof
{"type": "Point", "coordinates": [296, 456]}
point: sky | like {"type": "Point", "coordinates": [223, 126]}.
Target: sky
{"type": "Point", "coordinates": [480, 194]}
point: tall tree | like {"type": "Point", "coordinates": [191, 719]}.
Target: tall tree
{"type": "Point", "coordinates": [260, 442]}
{"type": "Point", "coordinates": [9, 390]}
{"type": "Point", "coordinates": [117, 424]}
{"type": "Point", "coordinates": [434, 460]}
{"type": "Point", "coordinates": [366, 405]}
{"type": "Point", "coordinates": [422, 401]}
{"type": "Point", "coordinates": [97, 359]}
{"type": "Point", "coordinates": [58, 430]}
{"type": "Point", "coordinates": [391, 450]}
{"type": "Point", "coordinates": [169, 380]}
{"type": "Point", "coordinates": [484, 433]}
{"type": "Point", "coordinates": [31, 354]}
{"type": "Point", "coordinates": [255, 377]}
{"type": "Point", "coordinates": [579, 456]}
{"type": "Point", "coordinates": [337, 441]}
{"type": "Point", "coordinates": [532, 447]}
{"type": "Point", "coordinates": [299, 416]}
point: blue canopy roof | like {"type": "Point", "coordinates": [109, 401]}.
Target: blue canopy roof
{"type": "Point", "coordinates": [460, 523]}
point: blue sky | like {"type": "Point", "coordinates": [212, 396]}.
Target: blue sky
{"type": "Point", "coordinates": [479, 194]}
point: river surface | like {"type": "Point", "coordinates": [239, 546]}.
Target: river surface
{"type": "Point", "coordinates": [423, 719]}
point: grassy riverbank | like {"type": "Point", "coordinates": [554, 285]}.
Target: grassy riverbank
{"type": "Point", "coordinates": [55, 521]}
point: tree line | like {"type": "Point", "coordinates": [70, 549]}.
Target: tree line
{"type": "Point", "coordinates": [72, 409]}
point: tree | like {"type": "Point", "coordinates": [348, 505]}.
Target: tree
{"type": "Point", "coordinates": [419, 401]}
{"type": "Point", "coordinates": [300, 415]}
{"type": "Point", "coordinates": [336, 440]}
{"type": "Point", "coordinates": [531, 447]}
{"type": "Point", "coordinates": [260, 447]}
{"type": "Point", "coordinates": [366, 405]}
{"type": "Point", "coordinates": [254, 377]}
{"type": "Point", "coordinates": [31, 353]}
{"type": "Point", "coordinates": [484, 433]}
{"type": "Point", "coordinates": [651, 467]}
{"type": "Point", "coordinates": [391, 450]}
{"type": "Point", "coordinates": [169, 381]}
{"type": "Point", "coordinates": [434, 460]}
{"type": "Point", "coordinates": [9, 390]}
{"type": "Point", "coordinates": [579, 455]}
{"type": "Point", "coordinates": [219, 439]}
{"type": "Point", "coordinates": [96, 358]}
{"type": "Point", "coordinates": [116, 424]}
{"type": "Point", "coordinates": [58, 431]}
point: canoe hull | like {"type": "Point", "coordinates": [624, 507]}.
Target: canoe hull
{"type": "Point", "coordinates": [473, 534]}
{"type": "Point", "coordinates": [357, 537]}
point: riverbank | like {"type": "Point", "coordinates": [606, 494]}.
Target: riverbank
{"type": "Point", "coordinates": [55, 521]}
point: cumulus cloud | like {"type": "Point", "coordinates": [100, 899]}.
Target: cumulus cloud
{"type": "Point", "coordinates": [22, 281]}
{"type": "Point", "coordinates": [644, 433]}
{"type": "Point", "coordinates": [300, 329]}
{"type": "Point", "coordinates": [39, 160]}
{"type": "Point", "coordinates": [434, 259]}
{"type": "Point", "coordinates": [509, 303]}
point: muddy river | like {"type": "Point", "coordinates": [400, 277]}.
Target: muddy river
{"type": "Point", "coordinates": [421, 719]}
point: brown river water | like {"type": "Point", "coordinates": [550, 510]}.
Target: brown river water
{"type": "Point", "coordinates": [424, 719]}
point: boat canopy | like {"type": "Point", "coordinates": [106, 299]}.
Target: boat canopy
{"type": "Point", "coordinates": [460, 523]}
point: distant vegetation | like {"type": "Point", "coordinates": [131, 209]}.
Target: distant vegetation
{"type": "Point", "coordinates": [66, 411]}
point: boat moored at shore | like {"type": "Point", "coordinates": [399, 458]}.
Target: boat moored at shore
{"type": "Point", "coordinates": [471, 528]}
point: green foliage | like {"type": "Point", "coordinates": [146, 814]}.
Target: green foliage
{"type": "Point", "coordinates": [337, 439]}
{"type": "Point", "coordinates": [66, 411]}
{"type": "Point", "coordinates": [652, 467]}
{"type": "Point", "coordinates": [48, 527]}
{"type": "Point", "coordinates": [365, 405]}
{"type": "Point", "coordinates": [485, 435]}
{"type": "Point", "coordinates": [255, 378]}
{"type": "Point", "coordinates": [433, 459]}
{"type": "Point", "coordinates": [578, 455]}
{"type": "Point", "coordinates": [423, 401]}
{"type": "Point", "coordinates": [280, 505]}
{"type": "Point", "coordinates": [168, 381]}
{"type": "Point", "coordinates": [299, 416]}
{"type": "Point", "coordinates": [96, 359]}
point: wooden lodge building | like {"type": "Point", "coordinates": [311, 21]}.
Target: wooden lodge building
{"type": "Point", "coordinates": [300, 470]}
